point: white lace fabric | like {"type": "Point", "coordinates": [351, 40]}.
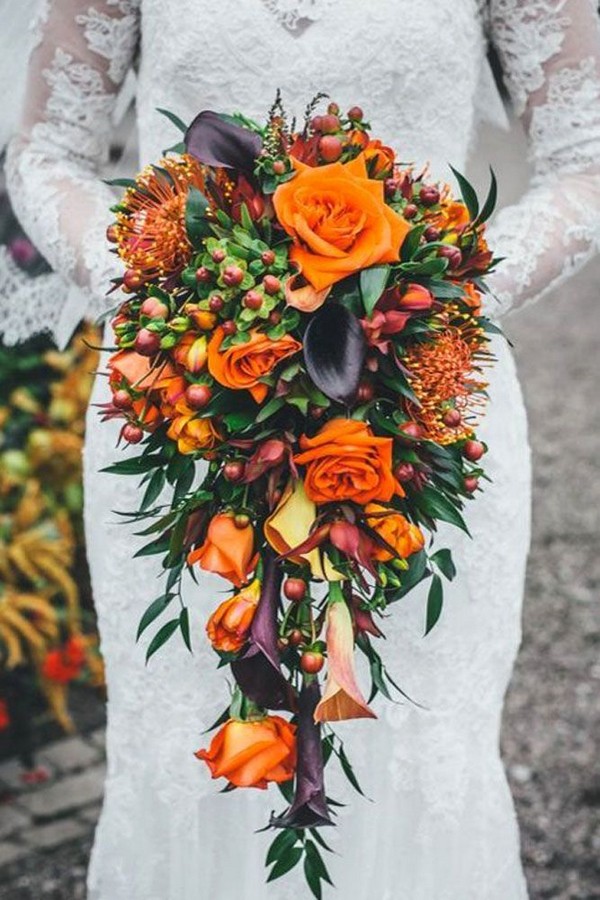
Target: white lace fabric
{"type": "Point", "coordinates": [442, 825]}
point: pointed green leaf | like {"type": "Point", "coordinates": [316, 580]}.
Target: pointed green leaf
{"type": "Point", "coordinates": [468, 193]}
{"type": "Point", "coordinates": [372, 284]}
{"type": "Point", "coordinates": [153, 611]}
{"type": "Point", "coordinates": [435, 601]}
{"type": "Point", "coordinates": [177, 122]}
{"type": "Point", "coordinates": [161, 637]}
{"type": "Point", "coordinates": [184, 624]}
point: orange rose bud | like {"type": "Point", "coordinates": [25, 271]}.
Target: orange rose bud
{"type": "Point", "coordinates": [193, 434]}
{"type": "Point", "coordinates": [396, 530]}
{"type": "Point", "coordinates": [380, 159]}
{"type": "Point", "coordinates": [416, 298]}
{"type": "Point", "coordinates": [252, 753]}
{"type": "Point", "coordinates": [242, 366]}
{"type": "Point", "coordinates": [227, 551]}
{"type": "Point", "coordinates": [332, 241]}
{"type": "Point", "coordinates": [345, 461]}
{"type": "Point", "coordinates": [228, 626]}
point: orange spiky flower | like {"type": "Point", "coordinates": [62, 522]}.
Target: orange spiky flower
{"type": "Point", "coordinates": [443, 375]}
{"type": "Point", "coordinates": [150, 231]}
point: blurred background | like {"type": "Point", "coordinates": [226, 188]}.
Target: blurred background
{"type": "Point", "coordinates": [51, 680]}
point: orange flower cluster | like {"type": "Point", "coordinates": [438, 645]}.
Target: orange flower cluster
{"type": "Point", "coordinates": [442, 376]}
{"type": "Point", "coordinates": [150, 231]}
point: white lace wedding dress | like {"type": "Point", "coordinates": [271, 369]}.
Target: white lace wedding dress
{"type": "Point", "coordinates": [441, 825]}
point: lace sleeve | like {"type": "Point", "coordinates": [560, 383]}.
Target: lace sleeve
{"type": "Point", "coordinates": [81, 54]}
{"type": "Point", "coordinates": [550, 54]}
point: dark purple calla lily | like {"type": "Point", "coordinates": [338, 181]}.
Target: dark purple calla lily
{"type": "Point", "coordinates": [217, 140]}
{"type": "Point", "coordinates": [258, 671]}
{"type": "Point", "coordinates": [334, 352]}
{"type": "Point", "coordinates": [309, 807]}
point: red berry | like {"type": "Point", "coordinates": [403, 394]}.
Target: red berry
{"type": "Point", "coordinates": [112, 234]}
{"type": "Point", "coordinates": [241, 520]}
{"type": "Point", "coordinates": [132, 279]}
{"type": "Point", "coordinates": [372, 363]}
{"type": "Point", "coordinates": [267, 258]}
{"type": "Point", "coordinates": [411, 430]}
{"type": "Point", "coordinates": [295, 638]}
{"type": "Point", "coordinates": [432, 233]}
{"type": "Point", "coordinates": [198, 395]}
{"type": "Point", "coordinates": [404, 472]}
{"type": "Point", "coordinates": [410, 211]}
{"type": "Point", "coordinates": [271, 284]}
{"type": "Point", "coordinates": [452, 418]}
{"type": "Point", "coordinates": [294, 589]}
{"type": "Point", "coordinates": [216, 303]}
{"type": "Point", "coordinates": [473, 450]}
{"type": "Point", "coordinates": [391, 186]}
{"type": "Point", "coordinates": [218, 255]}
{"type": "Point", "coordinates": [365, 392]}
{"type": "Point", "coordinates": [471, 483]}
{"type": "Point", "coordinates": [330, 148]}
{"type": "Point", "coordinates": [147, 343]}
{"type": "Point", "coordinates": [279, 167]}
{"type": "Point", "coordinates": [253, 300]}
{"type": "Point", "coordinates": [452, 254]}
{"type": "Point", "coordinates": [133, 434]}
{"type": "Point", "coordinates": [333, 109]}
{"type": "Point", "coordinates": [234, 470]}
{"type": "Point", "coordinates": [203, 275]}
{"type": "Point", "coordinates": [355, 114]}
{"type": "Point", "coordinates": [312, 662]}
{"type": "Point", "coordinates": [317, 123]}
{"type": "Point", "coordinates": [429, 195]}
{"type": "Point", "coordinates": [154, 308]}
{"type": "Point", "coordinates": [274, 317]}
{"type": "Point", "coordinates": [330, 124]}
{"type": "Point", "coordinates": [122, 400]}
{"type": "Point", "coordinates": [233, 276]}
{"type": "Point", "coordinates": [229, 327]}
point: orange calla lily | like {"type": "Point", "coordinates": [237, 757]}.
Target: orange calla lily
{"type": "Point", "coordinates": [342, 698]}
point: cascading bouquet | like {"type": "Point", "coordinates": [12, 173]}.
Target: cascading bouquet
{"type": "Point", "coordinates": [302, 314]}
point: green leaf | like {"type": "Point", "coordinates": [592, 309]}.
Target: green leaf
{"type": "Point", "coordinates": [411, 242]}
{"type": "Point", "coordinates": [285, 863]}
{"type": "Point", "coordinates": [121, 182]}
{"type": "Point", "coordinates": [443, 560]}
{"type": "Point", "coordinates": [438, 506]}
{"type": "Point", "coordinates": [160, 545]}
{"type": "Point", "coordinates": [154, 489]}
{"type": "Point", "coordinates": [196, 224]}
{"type": "Point", "coordinates": [490, 200]}
{"type": "Point", "coordinates": [177, 122]}
{"type": "Point", "coordinates": [184, 481]}
{"type": "Point", "coordinates": [282, 843]}
{"type": "Point", "coordinates": [184, 624]}
{"type": "Point", "coordinates": [348, 770]}
{"type": "Point", "coordinates": [269, 409]}
{"type": "Point", "coordinates": [316, 859]}
{"type": "Point", "coordinates": [161, 637]}
{"type": "Point", "coordinates": [372, 285]}
{"type": "Point", "coordinates": [468, 193]}
{"type": "Point", "coordinates": [435, 601]}
{"type": "Point", "coordinates": [153, 611]}
{"type": "Point", "coordinates": [136, 465]}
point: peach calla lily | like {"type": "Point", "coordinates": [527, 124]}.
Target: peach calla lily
{"type": "Point", "coordinates": [289, 525]}
{"type": "Point", "coordinates": [342, 698]}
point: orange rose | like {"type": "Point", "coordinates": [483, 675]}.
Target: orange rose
{"type": "Point", "coordinates": [396, 530]}
{"type": "Point", "coordinates": [227, 550]}
{"type": "Point", "coordinates": [193, 434]}
{"type": "Point", "coordinates": [339, 221]}
{"type": "Point", "coordinates": [252, 753]}
{"type": "Point", "coordinates": [243, 365]}
{"type": "Point", "coordinates": [228, 627]}
{"type": "Point", "coordinates": [345, 461]}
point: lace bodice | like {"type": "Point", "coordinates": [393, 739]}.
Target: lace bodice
{"type": "Point", "coordinates": [420, 85]}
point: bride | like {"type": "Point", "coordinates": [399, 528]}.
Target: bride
{"type": "Point", "coordinates": [441, 824]}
